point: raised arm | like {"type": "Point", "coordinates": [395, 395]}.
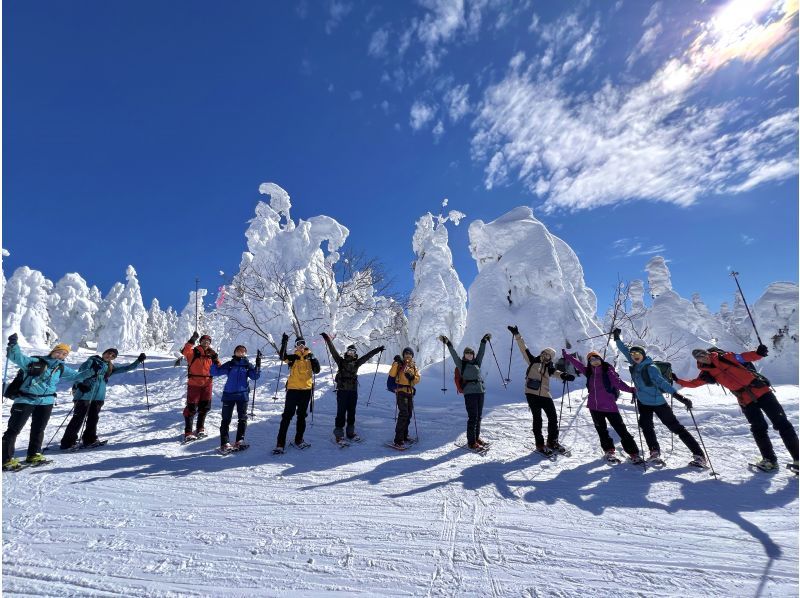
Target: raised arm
{"type": "Point", "coordinates": [575, 362]}
{"type": "Point", "coordinates": [334, 353]}
{"type": "Point", "coordinates": [365, 358]}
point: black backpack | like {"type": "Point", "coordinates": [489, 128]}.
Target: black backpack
{"type": "Point", "coordinates": [34, 369]}
{"type": "Point", "coordinates": [563, 366]}
{"type": "Point", "coordinates": [665, 367]}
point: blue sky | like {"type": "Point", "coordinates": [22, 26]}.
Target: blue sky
{"type": "Point", "coordinates": [139, 132]}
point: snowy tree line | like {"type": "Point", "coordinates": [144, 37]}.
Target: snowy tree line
{"type": "Point", "coordinates": [297, 276]}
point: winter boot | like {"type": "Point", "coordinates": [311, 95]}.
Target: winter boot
{"type": "Point", "coordinates": [557, 447]}
{"type": "Point", "coordinates": [188, 437]}
{"type": "Point", "coordinates": [35, 459]}
{"type": "Point", "coordinates": [545, 450]}
{"type": "Point", "coordinates": [200, 433]}
{"type": "Point", "coordinates": [654, 454]}
{"type": "Point", "coordinates": [481, 442]}
{"type": "Point", "coordinates": [12, 464]}
{"type": "Point", "coordinates": [698, 461]}
{"type": "Point", "coordinates": [240, 445]}
{"type": "Point", "coordinates": [766, 465]}
{"type": "Point", "coordinates": [636, 458]}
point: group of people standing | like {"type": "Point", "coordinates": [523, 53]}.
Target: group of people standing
{"type": "Point", "coordinates": [34, 394]}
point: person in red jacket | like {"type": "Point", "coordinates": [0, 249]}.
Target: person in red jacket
{"type": "Point", "coordinates": [198, 395]}
{"type": "Point", "coordinates": [754, 395]}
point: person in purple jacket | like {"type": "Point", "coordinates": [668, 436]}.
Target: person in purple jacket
{"type": "Point", "coordinates": [604, 385]}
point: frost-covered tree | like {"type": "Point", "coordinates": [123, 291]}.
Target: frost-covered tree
{"type": "Point", "coordinates": [438, 302]}
{"type": "Point", "coordinates": [124, 323]}
{"type": "Point", "coordinates": [25, 307]}
{"type": "Point", "coordinates": [160, 326]}
{"type": "Point", "coordinates": [192, 317]}
{"type": "Point", "coordinates": [72, 310]}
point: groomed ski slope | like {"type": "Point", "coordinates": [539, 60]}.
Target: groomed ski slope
{"type": "Point", "coordinates": [145, 516]}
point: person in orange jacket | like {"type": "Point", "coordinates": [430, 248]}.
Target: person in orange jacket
{"type": "Point", "coordinates": [406, 376]}
{"type": "Point", "coordinates": [200, 383]}
{"type": "Point", "coordinates": [754, 395]}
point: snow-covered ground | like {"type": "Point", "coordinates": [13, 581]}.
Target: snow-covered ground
{"type": "Point", "coordinates": [145, 516]}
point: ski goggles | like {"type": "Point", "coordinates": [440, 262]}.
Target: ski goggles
{"type": "Point", "coordinates": [351, 352]}
{"type": "Point", "coordinates": [595, 358]}
{"type": "Point", "coordinates": [636, 352]}
{"type": "Point", "coordinates": [300, 343]}
{"type": "Point", "coordinates": [698, 353]}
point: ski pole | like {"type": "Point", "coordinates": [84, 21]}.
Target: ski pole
{"type": "Point", "coordinates": [414, 413]}
{"type": "Point", "coordinates": [196, 308]}
{"type": "Point", "coordinates": [510, 355]}
{"type": "Point", "coordinates": [735, 274]}
{"type": "Point", "coordinates": [5, 379]}
{"type": "Point", "coordinates": [277, 382]}
{"type": "Point", "coordinates": [59, 427]}
{"type": "Point", "coordinates": [498, 365]}
{"type": "Point", "coordinates": [588, 338]}
{"type": "Point", "coordinates": [444, 374]}
{"type": "Point", "coordinates": [561, 409]}
{"type": "Point", "coordinates": [638, 426]}
{"type": "Point", "coordinates": [377, 365]}
{"type": "Point", "coordinates": [330, 365]}
{"type": "Point", "coordinates": [255, 384]}
{"type": "Point", "coordinates": [699, 435]}
{"type": "Point", "coordinates": [146, 396]}
{"type": "Point", "coordinates": [569, 400]}
{"type": "Point", "coordinates": [313, 386]}
{"type": "Point", "coordinates": [672, 443]}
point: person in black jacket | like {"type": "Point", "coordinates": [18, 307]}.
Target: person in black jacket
{"type": "Point", "coordinates": [347, 387]}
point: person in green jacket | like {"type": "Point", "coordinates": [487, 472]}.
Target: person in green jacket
{"type": "Point", "coordinates": [90, 395]}
{"type": "Point", "coordinates": [472, 386]}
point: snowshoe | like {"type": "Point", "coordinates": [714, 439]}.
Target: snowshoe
{"type": "Point", "coordinates": [12, 464]}
{"type": "Point", "coordinates": [483, 443]}
{"type": "Point", "coordinates": [611, 458]}
{"type": "Point", "coordinates": [302, 445]}
{"type": "Point", "coordinates": [698, 461]}
{"type": "Point", "coordinates": [637, 459]}
{"type": "Point", "coordinates": [37, 460]}
{"type": "Point", "coordinates": [240, 445]}
{"type": "Point", "coordinates": [655, 460]}
{"type": "Point", "coordinates": [94, 444]}
{"type": "Point", "coordinates": [546, 452]}
{"type": "Point", "coordinates": [354, 438]}
{"type": "Point", "coordinates": [400, 446]}
{"type": "Point", "coordinates": [71, 448]}
{"type": "Point", "coordinates": [226, 449]}
{"type": "Point", "coordinates": [200, 434]}
{"type": "Point", "coordinates": [792, 467]}
{"type": "Point", "coordinates": [475, 448]}
{"type": "Point", "coordinates": [559, 449]}
{"type": "Point", "coordinates": [341, 442]}
{"type": "Point", "coordinates": [187, 438]}
{"type": "Point", "coordinates": [764, 465]}
{"type": "Point", "coordinates": [278, 450]}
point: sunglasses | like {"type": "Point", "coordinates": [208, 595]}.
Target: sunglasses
{"type": "Point", "coordinates": [636, 353]}
{"type": "Point", "coordinates": [595, 358]}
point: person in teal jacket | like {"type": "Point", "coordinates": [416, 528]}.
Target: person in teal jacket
{"type": "Point", "coordinates": [650, 386]}
{"type": "Point", "coordinates": [35, 397]}
{"type": "Point", "coordinates": [90, 395]}
{"type": "Point", "coordinates": [469, 365]}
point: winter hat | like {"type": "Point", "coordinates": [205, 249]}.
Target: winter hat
{"type": "Point", "coordinates": [551, 352]}
{"type": "Point", "coordinates": [205, 336]}
{"type": "Point", "coordinates": [408, 350]}
{"type": "Point", "coordinates": [62, 347]}
{"type": "Point", "coordinates": [469, 350]}
{"type": "Point", "coordinates": [299, 341]}
{"type": "Point", "coordinates": [698, 353]}
{"type": "Point", "coordinates": [638, 348]}
{"type": "Point", "coordinates": [111, 350]}
{"type": "Point", "coordinates": [591, 354]}
{"type": "Point", "coordinates": [240, 347]}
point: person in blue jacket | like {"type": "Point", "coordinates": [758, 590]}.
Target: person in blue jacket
{"type": "Point", "coordinates": [35, 397]}
{"type": "Point", "coordinates": [89, 396]}
{"type": "Point", "coordinates": [237, 387]}
{"type": "Point", "coordinates": [650, 386]}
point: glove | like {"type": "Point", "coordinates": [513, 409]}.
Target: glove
{"type": "Point", "coordinates": [444, 339]}
{"type": "Point", "coordinates": [212, 354]}
{"type": "Point", "coordinates": [616, 332]}
{"type": "Point", "coordinates": [217, 362]}
{"type": "Point", "coordinates": [513, 330]}
{"type": "Point", "coordinates": [381, 348]}
{"type": "Point", "coordinates": [141, 357]}
{"type": "Point", "coordinates": [567, 377]}
{"type": "Point", "coordinates": [12, 340]}
{"type": "Point", "coordinates": [284, 338]}
{"type": "Point", "coordinates": [83, 387]}
{"type": "Point", "coordinates": [673, 377]}
{"type": "Point", "coordinates": [323, 335]}
{"type": "Point", "coordinates": [398, 359]}
{"type": "Point", "coordinates": [409, 375]}
{"type": "Point", "coordinates": [762, 350]}
{"type": "Point", "coordinates": [687, 402]}
{"type": "Point", "coordinates": [96, 366]}
{"type": "Point", "coordinates": [486, 337]}
{"type": "Point", "coordinates": [194, 337]}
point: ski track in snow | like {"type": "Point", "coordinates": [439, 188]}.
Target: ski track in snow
{"type": "Point", "coordinates": [146, 516]}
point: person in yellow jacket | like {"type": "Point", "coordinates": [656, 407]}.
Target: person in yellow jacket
{"type": "Point", "coordinates": [406, 377]}
{"type": "Point", "coordinates": [299, 387]}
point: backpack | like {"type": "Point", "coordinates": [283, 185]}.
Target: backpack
{"type": "Point", "coordinates": [610, 388]}
{"type": "Point", "coordinates": [759, 379]}
{"type": "Point", "coordinates": [459, 381]}
{"type": "Point", "coordinates": [665, 367]}
{"type": "Point", "coordinates": [562, 365]}
{"type": "Point", "coordinates": [391, 383]}
{"type": "Point", "coordinates": [34, 369]}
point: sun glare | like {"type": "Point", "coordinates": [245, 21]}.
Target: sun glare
{"type": "Point", "coordinates": [738, 14]}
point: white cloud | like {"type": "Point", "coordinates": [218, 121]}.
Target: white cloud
{"type": "Point", "coordinates": [421, 115]}
{"type": "Point", "coordinates": [438, 131]}
{"type": "Point", "coordinates": [630, 247]}
{"type": "Point", "coordinates": [378, 43]}
{"type": "Point", "coordinates": [337, 12]}
{"type": "Point", "coordinates": [457, 101]}
{"type": "Point", "coordinates": [356, 95]}
{"type": "Point", "coordinates": [747, 240]}
{"type": "Point", "coordinates": [385, 106]}
{"type": "Point", "coordinates": [652, 140]}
